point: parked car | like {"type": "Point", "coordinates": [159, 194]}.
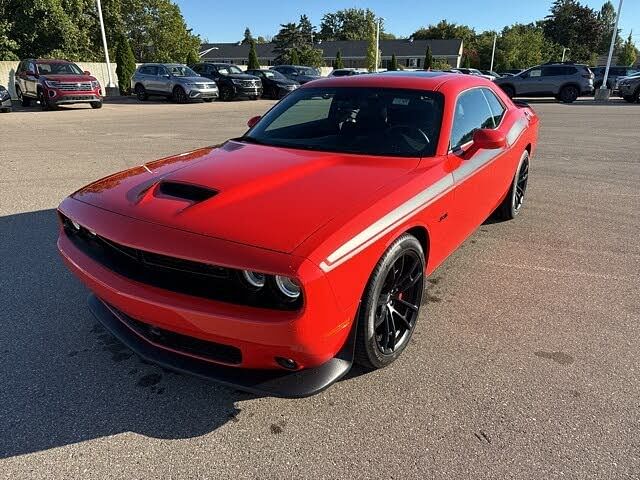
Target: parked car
{"type": "Point", "coordinates": [274, 261]}
{"type": "Point", "coordinates": [172, 80]}
{"type": "Point", "coordinates": [614, 72]}
{"type": "Point", "coordinates": [472, 71]}
{"type": "Point", "coordinates": [629, 87]}
{"type": "Point", "coordinates": [298, 73]}
{"type": "Point", "coordinates": [54, 83]}
{"type": "Point", "coordinates": [344, 72]}
{"type": "Point", "coordinates": [564, 81]}
{"type": "Point", "coordinates": [274, 84]}
{"type": "Point", "coordinates": [232, 82]}
{"type": "Point", "coordinates": [512, 71]}
{"type": "Point", "coordinates": [491, 73]}
{"type": "Point", "coordinates": [5, 100]}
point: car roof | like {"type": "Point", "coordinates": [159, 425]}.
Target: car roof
{"type": "Point", "coordinates": [424, 80]}
{"type": "Point", "coordinates": [48, 60]}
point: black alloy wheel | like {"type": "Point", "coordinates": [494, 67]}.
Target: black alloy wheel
{"type": "Point", "coordinates": [141, 92]}
{"type": "Point", "coordinates": [391, 304]}
{"type": "Point", "coordinates": [226, 94]}
{"type": "Point", "coordinates": [179, 95]}
{"type": "Point", "coordinates": [512, 204]}
{"type": "Point", "coordinates": [569, 94]}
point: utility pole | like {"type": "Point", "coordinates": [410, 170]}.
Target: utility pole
{"type": "Point", "coordinates": [493, 50]}
{"type": "Point", "coordinates": [603, 92]}
{"type": "Point", "coordinates": [110, 85]}
{"type": "Point", "coordinates": [563, 52]}
{"type": "Point", "coordinates": [378, 43]}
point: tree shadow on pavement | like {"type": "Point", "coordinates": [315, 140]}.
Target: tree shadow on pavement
{"type": "Point", "coordinates": [64, 378]}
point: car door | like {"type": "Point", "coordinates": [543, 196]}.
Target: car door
{"type": "Point", "coordinates": [147, 75]}
{"type": "Point", "coordinates": [163, 81]}
{"type": "Point", "coordinates": [531, 82]}
{"type": "Point", "coordinates": [477, 189]}
{"type": "Point", "coordinates": [30, 79]}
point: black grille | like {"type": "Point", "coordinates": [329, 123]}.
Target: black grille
{"type": "Point", "coordinates": [174, 274]}
{"type": "Point", "coordinates": [217, 352]}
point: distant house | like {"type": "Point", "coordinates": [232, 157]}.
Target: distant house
{"type": "Point", "coordinates": [410, 53]}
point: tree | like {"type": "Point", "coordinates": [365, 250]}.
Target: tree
{"type": "Point", "coordinates": [253, 63]}
{"type": "Point", "coordinates": [575, 26]}
{"type": "Point", "coordinates": [248, 38]}
{"type": "Point", "coordinates": [607, 19]}
{"type": "Point", "coordinates": [311, 57]}
{"type": "Point", "coordinates": [428, 59]}
{"type": "Point", "coordinates": [349, 24]}
{"type": "Point", "coordinates": [393, 64]}
{"type": "Point", "coordinates": [294, 59]}
{"type": "Point", "coordinates": [372, 48]}
{"type": "Point", "coordinates": [307, 30]}
{"type": "Point", "coordinates": [444, 30]}
{"type": "Point", "coordinates": [466, 63]}
{"type": "Point", "coordinates": [440, 65]}
{"type": "Point", "coordinates": [287, 39]}
{"type": "Point", "coordinates": [521, 46]}
{"type": "Point", "coordinates": [338, 63]}
{"type": "Point", "coordinates": [125, 64]}
{"type": "Point", "coordinates": [627, 55]}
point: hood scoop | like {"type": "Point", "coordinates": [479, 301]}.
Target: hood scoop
{"type": "Point", "coordinates": [186, 191]}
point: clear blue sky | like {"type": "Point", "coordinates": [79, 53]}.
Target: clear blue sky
{"type": "Point", "coordinates": [225, 21]}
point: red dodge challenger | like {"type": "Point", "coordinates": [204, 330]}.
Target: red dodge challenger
{"type": "Point", "coordinates": [274, 261]}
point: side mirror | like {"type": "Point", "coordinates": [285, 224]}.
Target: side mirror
{"type": "Point", "coordinates": [253, 120]}
{"type": "Point", "coordinates": [489, 139]}
{"type": "Point", "coordinates": [87, 72]}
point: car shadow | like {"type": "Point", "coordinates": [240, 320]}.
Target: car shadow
{"type": "Point", "coordinates": [64, 378]}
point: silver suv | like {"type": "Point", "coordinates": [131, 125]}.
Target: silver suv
{"type": "Point", "coordinates": [565, 81]}
{"type": "Point", "coordinates": [174, 81]}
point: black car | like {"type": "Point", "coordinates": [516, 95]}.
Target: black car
{"type": "Point", "coordinates": [274, 84]}
{"type": "Point", "coordinates": [232, 82]}
{"type": "Point", "coordinates": [298, 73]}
{"type": "Point", "coordinates": [5, 99]}
{"type": "Point", "coordinates": [615, 71]}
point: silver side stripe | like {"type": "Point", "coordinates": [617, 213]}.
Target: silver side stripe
{"type": "Point", "coordinates": [516, 130]}
{"type": "Point", "coordinates": [419, 201]}
{"type": "Point", "coordinates": [380, 227]}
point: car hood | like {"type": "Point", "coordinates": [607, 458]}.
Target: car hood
{"type": "Point", "coordinates": [241, 76]}
{"type": "Point", "coordinates": [193, 79]}
{"type": "Point", "coordinates": [68, 78]}
{"type": "Point", "coordinates": [268, 197]}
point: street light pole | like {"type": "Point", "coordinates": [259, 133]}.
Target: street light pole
{"type": "Point", "coordinates": [563, 51]}
{"type": "Point", "coordinates": [493, 51]}
{"type": "Point", "coordinates": [104, 44]}
{"type": "Point", "coordinates": [603, 87]}
{"type": "Point", "coordinates": [378, 43]}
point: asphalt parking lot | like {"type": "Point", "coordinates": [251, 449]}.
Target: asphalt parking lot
{"type": "Point", "coordinates": [525, 363]}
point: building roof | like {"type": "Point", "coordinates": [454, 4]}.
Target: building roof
{"type": "Point", "coordinates": [354, 48]}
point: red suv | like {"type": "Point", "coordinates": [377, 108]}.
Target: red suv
{"type": "Point", "coordinates": [56, 82]}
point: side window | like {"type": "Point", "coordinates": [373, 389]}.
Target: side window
{"type": "Point", "coordinates": [197, 68]}
{"type": "Point", "coordinates": [472, 112]}
{"type": "Point", "coordinates": [162, 71]}
{"type": "Point", "coordinates": [497, 109]}
{"type": "Point", "coordinates": [536, 72]}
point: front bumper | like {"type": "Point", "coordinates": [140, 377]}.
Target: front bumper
{"type": "Point", "coordinates": [247, 91]}
{"type": "Point", "coordinates": [5, 104]}
{"type": "Point", "coordinates": [627, 89]}
{"type": "Point", "coordinates": [277, 383]}
{"type": "Point", "coordinates": [202, 93]}
{"type": "Point", "coordinates": [59, 97]}
{"type": "Point", "coordinates": [311, 336]}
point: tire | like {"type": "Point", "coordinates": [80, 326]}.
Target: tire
{"type": "Point", "coordinates": [207, 100]}
{"type": "Point", "coordinates": [509, 91]}
{"type": "Point", "coordinates": [569, 94]}
{"type": "Point", "coordinates": [44, 102]}
{"type": "Point", "coordinates": [512, 203]}
{"type": "Point", "coordinates": [179, 95]}
{"type": "Point", "coordinates": [26, 101]}
{"type": "Point", "coordinates": [141, 92]}
{"type": "Point", "coordinates": [96, 105]}
{"type": "Point", "coordinates": [254, 97]}
{"type": "Point", "coordinates": [634, 97]}
{"type": "Point", "coordinates": [402, 264]}
{"type": "Point", "coordinates": [226, 94]}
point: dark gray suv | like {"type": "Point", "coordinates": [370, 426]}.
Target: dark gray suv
{"type": "Point", "coordinates": [564, 81]}
{"type": "Point", "coordinates": [629, 87]}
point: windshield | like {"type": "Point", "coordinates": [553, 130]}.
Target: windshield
{"type": "Point", "coordinates": [308, 71]}
{"type": "Point", "coordinates": [274, 75]}
{"type": "Point", "coordinates": [181, 71]}
{"type": "Point", "coordinates": [368, 121]}
{"type": "Point", "coordinates": [229, 69]}
{"type": "Point", "coordinates": [58, 68]}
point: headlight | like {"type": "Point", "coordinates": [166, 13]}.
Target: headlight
{"type": "Point", "coordinates": [51, 84]}
{"type": "Point", "coordinates": [95, 84]}
{"type": "Point", "coordinates": [4, 93]}
{"type": "Point", "coordinates": [254, 280]}
{"type": "Point", "coordinates": [236, 81]}
{"type": "Point", "coordinates": [288, 287]}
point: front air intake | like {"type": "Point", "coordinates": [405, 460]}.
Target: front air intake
{"type": "Point", "coordinates": [186, 191]}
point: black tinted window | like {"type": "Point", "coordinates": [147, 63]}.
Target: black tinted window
{"type": "Point", "coordinates": [472, 112]}
{"type": "Point", "coordinates": [369, 121]}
